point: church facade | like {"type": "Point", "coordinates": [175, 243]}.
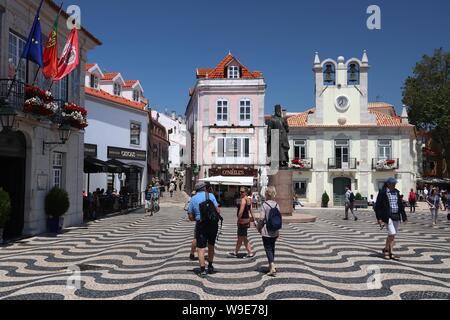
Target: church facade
{"type": "Point", "coordinates": [347, 141]}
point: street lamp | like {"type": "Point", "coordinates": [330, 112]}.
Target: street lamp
{"type": "Point", "coordinates": [64, 135]}
{"type": "Point", "coordinates": [7, 115]}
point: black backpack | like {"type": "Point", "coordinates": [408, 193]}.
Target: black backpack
{"type": "Point", "coordinates": [208, 212]}
{"type": "Point", "coordinates": [352, 197]}
{"type": "Point", "coordinates": [274, 222]}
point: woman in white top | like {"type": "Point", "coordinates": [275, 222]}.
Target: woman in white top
{"type": "Point", "coordinates": [269, 238]}
{"type": "Point", "coordinates": [434, 201]}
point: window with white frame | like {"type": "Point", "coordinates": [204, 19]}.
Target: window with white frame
{"type": "Point", "coordinates": [385, 149]}
{"type": "Point", "coordinates": [233, 72]}
{"type": "Point", "coordinates": [233, 147]}
{"type": "Point", "coordinates": [301, 188]}
{"type": "Point", "coordinates": [117, 89]}
{"type": "Point", "coordinates": [15, 49]}
{"type": "Point", "coordinates": [245, 110]}
{"type": "Point", "coordinates": [94, 81]}
{"type": "Point", "coordinates": [222, 111]}
{"type": "Point", "coordinates": [135, 134]}
{"type": "Point", "coordinates": [136, 95]}
{"type": "Point", "coordinates": [300, 149]}
{"type": "Point", "coordinates": [58, 164]}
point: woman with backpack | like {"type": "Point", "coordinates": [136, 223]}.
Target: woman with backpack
{"type": "Point", "coordinates": [269, 225]}
{"type": "Point", "coordinates": [245, 218]}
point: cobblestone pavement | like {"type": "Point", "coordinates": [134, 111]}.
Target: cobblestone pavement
{"type": "Point", "coordinates": [140, 257]}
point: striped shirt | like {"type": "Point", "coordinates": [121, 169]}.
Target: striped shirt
{"type": "Point", "coordinates": [393, 200]}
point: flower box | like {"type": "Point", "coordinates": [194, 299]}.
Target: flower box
{"type": "Point", "coordinates": [39, 102]}
{"type": "Point", "coordinates": [75, 116]}
{"type": "Point", "coordinates": [301, 164]}
{"type": "Point", "coordinates": [386, 164]}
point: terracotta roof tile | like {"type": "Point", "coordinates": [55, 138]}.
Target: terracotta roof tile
{"type": "Point", "coordinates": [130, 83]}
{"type": "Point", "coordinates": [119, 100]}
{"type": "Point", "coordinates": [219, 72]}
{"type": "Point", "coordinates": [89, 66]}
{"type": "Point", "coordinates": [109, 76]}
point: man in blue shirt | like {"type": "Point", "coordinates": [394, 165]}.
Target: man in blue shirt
{"type": "Point", "coordinates": [206, 234]}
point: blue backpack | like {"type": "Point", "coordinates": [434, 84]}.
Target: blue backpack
{"type": "Point", "coordinates": [275, 221]}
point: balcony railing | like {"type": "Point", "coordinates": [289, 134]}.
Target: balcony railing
{"type": "Point", "coordinates": [338, 163]}
{"type": "Point", "coordinates": [14, 92]}
{"type": "Point", "coordinates": [302, 164]}
{"type": "Point", "coordinates": [385, 164]}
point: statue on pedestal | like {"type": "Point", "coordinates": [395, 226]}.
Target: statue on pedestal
{"type": "Point", "coordinates": [277, 122]}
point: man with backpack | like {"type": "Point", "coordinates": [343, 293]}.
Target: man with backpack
{"type": "Point", "coordinates": [349, 203]}
{"type": "Point", "coordinates": [204, 210]}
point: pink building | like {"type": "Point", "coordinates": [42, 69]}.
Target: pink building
{"type": "Point", "coordinates": [225, 123]}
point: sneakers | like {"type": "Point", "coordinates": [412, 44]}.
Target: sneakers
{"type": "Point", "coordinates": [356, 218]}
{"type": "Point", "coordinates": [202, 274]}
{"type": "Point", "coordinates": [251, 255]}
{"type": "Point", "coordinates": [211, 269]}
{"type": "Point", "coordinates": [233, 254]}
{"type": "Point", "coordinates": [345, 219]}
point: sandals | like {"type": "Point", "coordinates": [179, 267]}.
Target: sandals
{"type": "Point", "coordinates": [386, 254]}
{"type": "Point", "coordinates": [394, 257]}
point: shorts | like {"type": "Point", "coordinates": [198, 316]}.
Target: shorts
{"type": "Point", "coordinates": [393, 227]}
{"type": "Point", "coordinates": [242, 230]}
{"type": "Point", "coordinates": [206, 235]}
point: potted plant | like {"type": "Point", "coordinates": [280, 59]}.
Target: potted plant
{"type": "Point", "coordinates": [75, 115]}
{"type": "Point", "coordinates": [325, 200]}
{"type": "Point", "coordinates": [5, 211]}
{"type": "Point", "coordinates": [56, 205]}
{"type": "Point", "coordinates": [358, 197]}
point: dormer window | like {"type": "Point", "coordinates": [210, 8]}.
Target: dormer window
{"type": "Point", "coordinates": [233, 72]}
{"type": "Point", "coordinates": [136, 95]}
{"type": "Point", "coordinates": [329, 75]}
{"type": "Point", "coordinates": [353, 74]}
{"type": "Point", "coordinates": [117, 89]}
{"type": "Point", "coordinates": [94, 81]}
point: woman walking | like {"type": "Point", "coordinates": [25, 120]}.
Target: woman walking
{"type": "Point", "coordinates": [245, 218]}
{"type": "Point", "coordinates": [269, 237]}
{"type": "Point", "coordinates": [434, 201]}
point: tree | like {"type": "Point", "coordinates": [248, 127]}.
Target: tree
{"type": "Point", "coordinates": [427, 95]}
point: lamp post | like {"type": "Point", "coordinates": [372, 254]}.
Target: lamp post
{"type": "Point", "coordinates": [7, 116]}
{"type": "Point", "coordinates": [64, 135]}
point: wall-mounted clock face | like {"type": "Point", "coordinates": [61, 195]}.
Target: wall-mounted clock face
{"type": "Point", "coordinates": [342, 103]}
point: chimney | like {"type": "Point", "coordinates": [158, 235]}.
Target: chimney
{"type": "Point", "coordinates": [405, 117]}
{"type": "Point", "coordinates": [174, 116]}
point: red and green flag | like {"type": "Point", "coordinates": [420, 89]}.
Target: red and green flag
{"type": "Point", "coordinates": [50, 69]}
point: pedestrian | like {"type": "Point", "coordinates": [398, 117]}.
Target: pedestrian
{"type": "Point", "coordinates": [205, 211]}
{"type": "Point", "coordinates": [371, 202]}
{"type": "Point", "coordinates": [194, 241]}
{"type": "Point", "coordinates": [255, 199]}
{"type": "Point", "coordinates": [244, 219]}
{"type": "Point", "coordinates": [172, 189]}
{"type": "Point", "coordinates": [148, 199]}
{"type": "Point", "coordinates": [162, 188]}
{"type": "Point", "coordinates": [412, 201]}
{"type": "Point", "coordinates": [434, 201]}
{"type": "Point", "coordinates": [268, 233]}
{"type": "Point", "coordinates": [180, 185]}
{"type": "Point", "coordinates": [349, 203]}
{"type": "Point", "coordinates": [390, 211]}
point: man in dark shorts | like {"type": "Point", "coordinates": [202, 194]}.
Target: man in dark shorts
{"type": "Point", "coordinates": [206, 234]}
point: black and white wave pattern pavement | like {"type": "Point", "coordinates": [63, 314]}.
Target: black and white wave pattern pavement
{"type": "Point", "coordinates": [140, 257]}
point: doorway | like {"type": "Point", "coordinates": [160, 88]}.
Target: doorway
{"type": "Point", "coordinates": [12, 179]}
{"type": "Point", "coordinates": [339, 185]}
{"type": "Point", "coordinates": [342, 154]}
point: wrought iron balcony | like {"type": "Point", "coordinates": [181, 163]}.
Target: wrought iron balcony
{"type": "Point", "coordinates": [302, 164]}
{"type": "Point", "coordinates": [13, 91]}
{"type": "Point", "coordinates": [385, 164]}
{"type": "Point", "coordinates": [340, 164]}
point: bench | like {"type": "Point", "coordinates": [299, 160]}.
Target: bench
{"type": "Point", "coordinates": [361, 204]}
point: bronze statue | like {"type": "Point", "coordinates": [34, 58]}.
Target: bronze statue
{"type": "Point", "coordinates": [277, 122]}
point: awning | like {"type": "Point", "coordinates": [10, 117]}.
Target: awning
{"type": "Point", "coordinates": [115, 166]}
{"type": "Point", "coordinates": [93, 165]}
{"type": "Point", "coordinates": [230, 181]}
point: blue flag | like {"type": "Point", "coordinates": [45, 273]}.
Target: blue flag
{"type": "Point", "coordinates": [33, 48]}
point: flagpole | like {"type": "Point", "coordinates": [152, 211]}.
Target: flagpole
{"type": "Point", "coordinates": [36, 75]}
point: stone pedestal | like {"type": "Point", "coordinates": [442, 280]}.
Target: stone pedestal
{"type": "Point", "coordinates": [283, 182]}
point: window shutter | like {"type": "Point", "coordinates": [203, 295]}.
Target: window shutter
{"type": "Point", "coordinates": [226, 72]}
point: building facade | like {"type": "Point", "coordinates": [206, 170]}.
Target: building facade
{"type": "Point", "coordinates": [225, 124]}
{"type": "Point", "coordinates": [118, 130]}
{"type": "Point", "coordinates": [158, 151]}
{"type": "Point", "coordinates": [33, 156]}
{"type": "Point", "coordinates": [176, 131]}
{"type": "Point", "coordinates": [347, 141]}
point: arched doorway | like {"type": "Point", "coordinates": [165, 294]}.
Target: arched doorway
{"type": "Point", "coordinates": [339, 185]}
{"type": "Point", "coordinates": [12, 179]}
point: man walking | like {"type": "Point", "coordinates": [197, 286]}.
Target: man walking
{"type": "Point", "coordinates": [349, 203]}
{"type": "Point", "coordinates": [207, 225]}
{"type": "Point", "coordinates": [390, 211]}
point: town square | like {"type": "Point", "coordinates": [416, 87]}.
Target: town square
{"type": "Point", "coordinates": [153, 154]}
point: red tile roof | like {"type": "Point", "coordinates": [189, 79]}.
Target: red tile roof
{"type": "Point", "coordinates": [130, 83]}
{"type": "Point", "coordinates": [89, 66]}
{"type": "Point", "coordinates": [219, 72]}
{"type": "Point", "coordinates": [383, 120]}
{"type": "Point", "coordinates": [110, 76]}
{"type": "Point", "coordinates": [119, 100]}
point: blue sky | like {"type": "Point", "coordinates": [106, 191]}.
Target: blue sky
{"type": "Point", "coordinates": [162, 42]}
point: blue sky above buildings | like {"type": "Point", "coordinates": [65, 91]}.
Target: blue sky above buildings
{"type": "Point", "coordinates": [162, 42]}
